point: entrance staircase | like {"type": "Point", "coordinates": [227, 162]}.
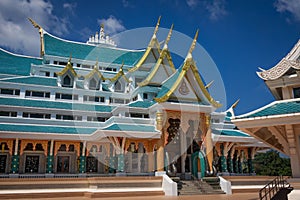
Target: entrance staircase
{"type": "Point", "coordinates": [100, 187]}
{"type": "Point", "coordinates": [209, 185]}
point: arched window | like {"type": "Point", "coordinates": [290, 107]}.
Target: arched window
{"type": "Point", "coordinates": [118, 86]}
{"type": "Point", "coordinates": [93, 84]}
{"type": "Point", "coordinates": [67, 81]}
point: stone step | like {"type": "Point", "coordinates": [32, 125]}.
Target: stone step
{"type": "Point", "coordinates": [80, 187]}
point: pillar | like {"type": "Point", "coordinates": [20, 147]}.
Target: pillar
{"type": "Point", "coordinates": [249, 161]}
{"type": "Point", "coordinates": [223, 160]}
{"type": "Point", "coordinates": [230, 164]}
{"type": "Point", "coordinates": [160, 159]}
{"type": "Point", "coordinates": [241, 159]}
{"type": "Point", "coordinates": [230, 159]}
{"type": "Point", "coordinates": [209, 150]}
{"type": "Point", "coordinates": [120, 167]}
{"type": "Point", "coordinates": [237, 162]}
{"type": "Point", "coordinates": [50, 158]}
{"type": "Point", "coordinates": [82, 162]}
{"type": "Point", "coordinates": [151, 161]}
{"type": "Point", "coordinates": [15, 158]}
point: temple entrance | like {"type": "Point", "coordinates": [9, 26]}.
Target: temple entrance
{"type": "Point", "coordinates": [63, 163]}
{"type": "Point", "coordinates": [91, 164]}
{"type": "Point", "coordinates": [3, 159]}
{"type": "Point", "coordinates": [198, 164]}
{"type": "Point", "coordinates": [173, 148]}
{"type": "Point", "coordinates": [32, 164]}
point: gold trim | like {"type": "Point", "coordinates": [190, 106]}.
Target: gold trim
{"type": "Point", "coordinates": [164, 53]}
{"type": "Point", "coordinates": [235, 103]}
{"type": "Point", "coordinates": [95, 71]}
{"type": "Point", "coordinates": [153, 43]}
{"type": "Point", "coordinates": [189, 63]}
{"type": "Point", "coordinates": [194, 42]}
{"type": "Point", "coordinates": [41, 32]}
{"type": "Point", "coordinates": [209, 84]}
{"type": "Point", "coordinates": [69, 66]}
{"type": "Point", "coordinates": [118, 75]}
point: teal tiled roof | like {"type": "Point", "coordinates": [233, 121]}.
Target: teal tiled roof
{"type": "Point", "coordinates": [54, 105]}
{"type": "Point", "coordinates": [130, 127]}
{"type": "Point", "coordinates": [231, 132]}
{"type": "Point", "coordinates": [275, 108]}
{"type": "Point", "coordinates": [45, 129]}
{"type": "Point", "coordinates": [141, 104]}
{"type": "Point", "coordinates": [32, 80]}
{"type": "Point", "coordinates": [58, 47]}
{"type": "Point", "coordinates": [15, 64]}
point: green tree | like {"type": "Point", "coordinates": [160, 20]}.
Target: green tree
{"type": "Point", "coordinates": [271, 164]}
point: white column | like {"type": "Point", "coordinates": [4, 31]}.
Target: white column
{"type": "Point", "coordinates": [83, 148]}
{"type": "Point", "coordinates": [51, 147]}
{"type": "Point", "coordinates": [16, 147]}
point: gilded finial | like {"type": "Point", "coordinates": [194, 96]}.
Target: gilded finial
{"type": "Point", "coordinates": [70, 58]}
{"type": "Point", "coordinates": [102, 25]}
{"type": "Point", "coordinates": [169, 34]}
{"type": "Point", "coordinates": [209, 84]}
{"type": "Point", "coordinates": [235, 103]}
{"type": "Point", "coordinates": [35, 25]}
{"type": "Point", "coordinates": [157, 25]}
{"type": "Point", "coordinates": [194, 42]}
{"type": "Point", "coordinates": [96, 64]}
{"type": "Point", "coordinates": [121, 68]}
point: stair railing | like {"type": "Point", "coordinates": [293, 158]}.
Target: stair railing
{"type": "Point", "coordinates": [271, 189]}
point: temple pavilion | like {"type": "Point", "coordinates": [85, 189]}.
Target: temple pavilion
{"type": "Point", "coordinates": [94, 109]}
{"type": "Point", "coordinates": [278, 123]}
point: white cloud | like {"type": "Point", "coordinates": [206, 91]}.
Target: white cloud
{"type": "Point", "coordinates": [192, 3]}
{"type": "Point", "coordinates": [291, 6]}
{"type": "Point", "coordinates": [17, 33]}
{"type": "Point", "coordinates": [216, 9]}
{"type": "Point", "coordinates": [70, 7]}
{"type": "Point", "coordinates": [112, 25]}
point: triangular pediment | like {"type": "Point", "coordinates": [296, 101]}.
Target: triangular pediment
{"type": "Point", "coordinates": [185, 92]}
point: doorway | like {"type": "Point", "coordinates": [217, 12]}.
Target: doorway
{"type": "Point", "coordinates": [63, 163]}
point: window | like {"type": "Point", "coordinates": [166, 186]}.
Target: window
{"type": "Point", "coordinates": [36, 115]}
{"type": "Point", "coordinates": [8, 114]}
{"type": "Point", "coordinates": [69, 117]}
{"type": "Point", "coordinates": [66, 96]}
{"type": "Point", "coordinates": [93, 98]}
{"type": "Point", "coordinates": [93, 84]}
{"type": "Point", "coordinates": [296, 92]}
{"type": "Point", "coordinates": [96, 119]}
{"type": "Point", "coordinates": [29, 93]}
{"type": "Point", "coordinates": [87, 66]}
{"type": "Point", "coordinates": [44, 73]}
{"type": "Point", "coordinates": [135, 98]}
{"type": "Point", "coordinates": [118, 86]}
{"type": "Point", "coordinates": [67, 81]}
{"type": "Point", "coordinates": [145, 96]}
{"type": "Point", "coordinates": [137, 115]}
{"type": "Point", "coordinates": [10, 91]}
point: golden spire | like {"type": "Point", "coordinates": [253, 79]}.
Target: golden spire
{"type": "Point", "coordinates": [194, 42]}
{"type": "Point", "coordinates": [157, 25]}
{"type": "Point", "coordinates": [169, 35]}
{"type": "Point", "coordinates": [36, 25]}
{"type": "Point", "coordinates": [96, 64]}
{"type": "Point", "coordinates": [209, 84]}
{"type": "Point", "coordinates": [70, 58]}
{"type": "Point", "coordinates": [235, 103]}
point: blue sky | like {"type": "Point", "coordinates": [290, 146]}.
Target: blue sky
{"type": "Point", "coordinates": [240, 36]}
